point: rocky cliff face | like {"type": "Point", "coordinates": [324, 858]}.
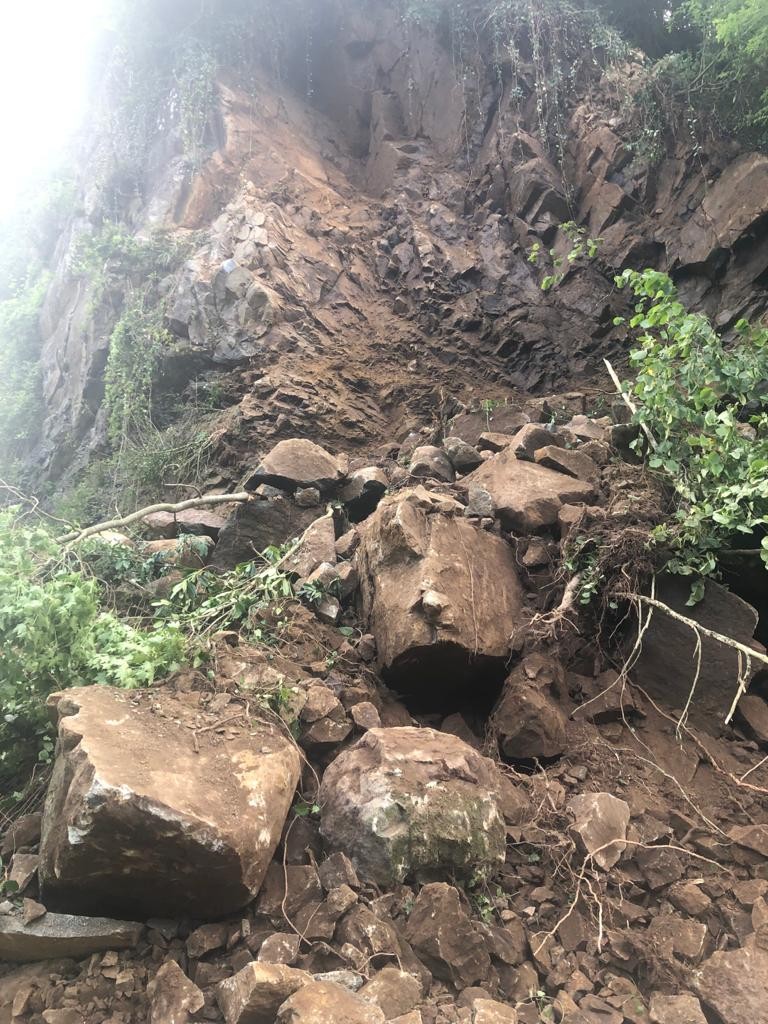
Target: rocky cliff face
{"type": "Point", "coordinates": [358, 236]}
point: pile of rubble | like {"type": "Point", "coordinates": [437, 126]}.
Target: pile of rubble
{"type": "Point", "coordinates": [437, 822]}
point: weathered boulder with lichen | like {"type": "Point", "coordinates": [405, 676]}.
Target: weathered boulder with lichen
{"type": "Point", "coordinates": [413, 803]}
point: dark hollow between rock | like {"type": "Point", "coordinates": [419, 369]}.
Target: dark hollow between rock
{"type": "Point", "coordinates": [445, 679]}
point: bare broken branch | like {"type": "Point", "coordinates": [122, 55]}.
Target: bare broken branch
{"type": "Point", "coordinates": [181, 506]}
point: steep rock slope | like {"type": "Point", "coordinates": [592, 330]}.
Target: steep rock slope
{"type": "Point", "coordinates": [359, 230]}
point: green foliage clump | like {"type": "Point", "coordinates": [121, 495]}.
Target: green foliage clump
{"type": "Point", "coordinates": [54, 633]}
{"type": "Point", "coordinates": [250, 598]}
{"type": "Point", "coordinates": [729, 72]}
{"type": "Point", "coordinates": [137, 346]}
{"type": "Point", "coordinates": [705, 405]}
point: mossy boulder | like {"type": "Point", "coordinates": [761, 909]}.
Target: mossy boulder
{"type": "Point", "coordinates": [413, 803]}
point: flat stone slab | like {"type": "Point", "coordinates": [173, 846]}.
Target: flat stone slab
{"type": "Point", "coordinates": [63, 935]}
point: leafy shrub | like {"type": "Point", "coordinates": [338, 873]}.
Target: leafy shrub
{"type": "Point", "coordinates": [250, 598]}
{"type": "Point", "coordinates": [705, 404]}
{"type": "Point", "coordinates": [54, 634]}
{"type": "Point", "coordinates": [731, 70]}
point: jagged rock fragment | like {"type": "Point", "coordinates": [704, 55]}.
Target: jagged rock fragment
{"type": "Point", "coordinates": [442, 935]}
{"type": "Point", "coordinates": [491, 1011]}
{"type": "Point", "coordinates": [732, 984]}
{"type": "Point", "coordinates": [256, 993]}
{"type": "Point", "coordinates": [138, 817]}
{"type": "Point", "coordinates": [530, 439]}
{"type": "Point", "coordinates": [321, 1002]}
{"type": "Point", "coordinates": [527, 722]}
{"type": "Point", "coordinates": [172, 996]}
{"type": "Point", "coordinates": [22, 834]}
{"type": "Point", "coordinates": [600, 826]}
{"type": "Point", "coordinates": [317, 546]}
{"type": "Point", "coordinates": [408, 802]}
{"type": "Point", "coordinates": [752, 718]}
{"type": "Point", "coordinates": [464, 458]}
{"type": "Point", "coordinates": [395, 992]}
{"type": "Point", "coordinates": [569, 461]}
{"type": "Point", "coordinates": [682, 1009]}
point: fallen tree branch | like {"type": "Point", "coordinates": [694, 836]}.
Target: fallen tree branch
{"type": "Point", "coordinates": [630, 404]}
{"type": "Point", "coordinates": [181, 506]}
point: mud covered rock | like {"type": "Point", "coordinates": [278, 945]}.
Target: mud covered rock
{"type": "Point", "coordinates": [527, 496]}
{"type": "Point", "coordinates": [407, 802]}
{"type": "Point", "coordinates": [297, 463]}
{"type": "Point", "coordinates": [422, 576]}
{"type": "Point", "coordinates": [138, 820]}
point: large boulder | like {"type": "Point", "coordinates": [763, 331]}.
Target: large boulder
{"type": "Point", "coordinates": [258, 524]}
{"type": "Point", "coordinates": [527, 496]}
{"type": "Point", "coordinates": [151, 812]}
{"type": "Point", "coordinates": [441, 596]}
{"type": "Point", "coordinates": [666, 668]}
{"type": "Point", "coordinates": [406, 802]}
{"type": "Point", "coordinates": [297, 463]}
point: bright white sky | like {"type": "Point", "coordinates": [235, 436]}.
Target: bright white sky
{"type": "Point", "coordinates": [45, 47]}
